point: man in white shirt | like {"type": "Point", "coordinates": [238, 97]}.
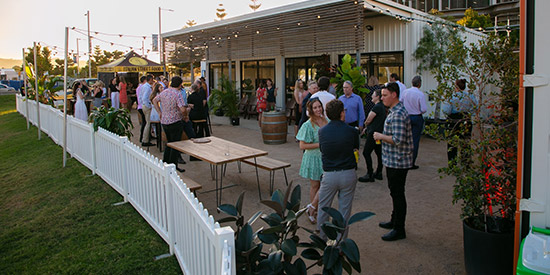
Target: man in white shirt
{"type": "Point", "coordinates": [395, 78]}
{"type": "Point", "coordinates": [146, 105]}
{"type": "Point", "coordinates": [323, 94]}
{"type": "Point", "coordinates": [415, 103]}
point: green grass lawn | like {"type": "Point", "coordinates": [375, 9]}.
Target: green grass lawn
{"type": "Point", "coordinates": [62, 220]}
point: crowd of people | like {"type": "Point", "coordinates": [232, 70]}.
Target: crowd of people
{"type": "Point", "coordinates": [328, 130]}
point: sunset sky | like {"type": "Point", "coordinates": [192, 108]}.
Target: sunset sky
{"type": "Point", "coordinates": [25, 21]}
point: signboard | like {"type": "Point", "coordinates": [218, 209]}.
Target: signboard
{"type": "Point", "coordinates": [155, 46]}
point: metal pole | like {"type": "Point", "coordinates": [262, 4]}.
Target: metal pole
{"type": "Point", "coordinates": [77, 58]}
{"type": "Point", "coordinates": [161, 50]}
{"type": "Point", "coordinates": [26, 90]}
{"type": "Point", "coordinates": [89, 47]}
{"type": "Point", "coordinates": [36, 92]}
{"type": "Point", "coordinates": [65, 95]}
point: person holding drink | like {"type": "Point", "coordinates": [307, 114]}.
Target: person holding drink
{"type": "Point", "coordinates": [375, 123]}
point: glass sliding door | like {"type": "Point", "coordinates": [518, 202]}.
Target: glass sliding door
{"type": "Point", "coordinates": [304, 68]}
{"type": "Point", "coordinates": [255, 71]}
{"type": "Point", "coordinates": [216, 70]}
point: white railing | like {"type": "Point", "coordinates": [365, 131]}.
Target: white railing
{"type": "Point", "coordinates": [153, 188]}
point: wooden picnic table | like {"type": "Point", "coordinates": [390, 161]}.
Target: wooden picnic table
{"type": "Point", "coordinates": [218, 152]}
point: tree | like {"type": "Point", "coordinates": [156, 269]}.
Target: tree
{"type": "Point", "coordinates": [43, 59]}
{"type": "Point", "coordinates": [100, 57]}
{"type": "Point", "coordinates": [472, 19]}
{"type": "Point", "coordinates": [220, 12]}
{"type": "Point", "coordinates": [432, 51]}
{"type": "Point", "coordinates": [190, 23]}
{"type": "Point", "coordinates": [254, 5]}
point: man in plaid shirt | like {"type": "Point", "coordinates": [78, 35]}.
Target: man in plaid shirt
{"type": "Point", "coordinates": [397, 156]}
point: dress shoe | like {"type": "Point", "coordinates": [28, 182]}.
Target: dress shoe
{"type": "Point", "coordinates": [366, 178]}
{"type": "Point", "coordinates": [180, 169]}
{"type": "Point", "coordinates": [378, 176]}
{"type": "Point", "coordinates": [181, 161]}
{"type": "Point", "coordinates": [394, 235]}
{"type": "Point", "coordinates": [414, 167]}
{"type": "Point", "coordinates": [387, 225]}
{"type": "Point", "coordinates": [147, 144]}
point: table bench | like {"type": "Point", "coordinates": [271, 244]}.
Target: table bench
{"type": "Point", "coordinates": [270, 165]}
{"type": "Point", "coordinates": [191, 184]}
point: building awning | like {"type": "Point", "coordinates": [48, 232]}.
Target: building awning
{"type": "Point", "coordinates": [131, 62]}
{"type": "Point", "coordinates": [302, 29]}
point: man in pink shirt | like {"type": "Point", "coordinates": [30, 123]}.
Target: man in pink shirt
{"type": "Point", "coordinates": [174, 111]}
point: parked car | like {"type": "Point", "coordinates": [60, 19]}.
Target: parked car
{"type": "Point", "coordinates": [6, 89]}
{"type": "Point", "coordinates": [89, 81]}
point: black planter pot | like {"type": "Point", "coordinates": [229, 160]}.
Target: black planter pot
{"type": "Point", "coordinates": [488, 253]}
{"type": "Point", "coordinates": [235, 121]}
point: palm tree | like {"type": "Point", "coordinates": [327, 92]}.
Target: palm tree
{"type": "Point", "coordinates": [190, 23]}
{"type": "Point", "coordinates": [254, 6]}
{"type": "Point", "coordinates": [220, 12]}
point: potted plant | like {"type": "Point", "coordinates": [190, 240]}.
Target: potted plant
{"type": "Point", "coordinates": [226, 99]}
{"type": "Point", "coordinates": [115, 121]}
{"type": "Point", "coordinates": [348, 71]}
{"type": "Point", "coordinates": [271, 249]}
{"type": "Point", "coordinates": [485, 142]}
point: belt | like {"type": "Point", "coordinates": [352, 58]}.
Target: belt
{"type": "Point", "coordinates": [416, 115]}
{"type": "Point", "coordinates": [338, 170]}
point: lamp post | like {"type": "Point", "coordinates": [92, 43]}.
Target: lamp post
{"type": "Point", "coordinates": [89, 47]}
{"type": "Point", "coordinates": [161, 44]}
{"type": "Point", "coordinates": [78, 57]}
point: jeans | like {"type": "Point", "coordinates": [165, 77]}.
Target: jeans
{"type": "Point", "coordinates": [417, 125]}
{"type": "Point", "coordinates": [396, 184]}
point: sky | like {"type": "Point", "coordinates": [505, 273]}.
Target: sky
{"type": "Point", "coordinates": [26, 21]}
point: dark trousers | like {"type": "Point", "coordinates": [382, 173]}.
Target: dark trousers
{"type": "Point", "coordinates": [370, 145]}
{"type": "Point", "coordinates": [417, 125]}
{"type": "Point", "coordinates": [201, 129]}
{"type": "Point", "coordinates": [188, 129]}
{"type": "Point", "coordinates": [173, 133]}
{"type": "Point", "coordinates": [396, 184]}
{"type": "Point", "coordinates": [143, 122]}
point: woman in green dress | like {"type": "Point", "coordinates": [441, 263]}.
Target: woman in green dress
{"type": "Point", "coordinates": [312, 165]}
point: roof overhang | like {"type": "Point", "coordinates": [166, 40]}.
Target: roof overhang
{"type": "Point", "coordinates": [305, 28]}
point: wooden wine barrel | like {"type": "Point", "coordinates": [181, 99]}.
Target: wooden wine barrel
{"type": "Point", "coordinates": [274, 127]}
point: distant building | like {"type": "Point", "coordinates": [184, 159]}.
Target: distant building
{"type": "Point", "coordinates": [504, 10]}
{"type": "Point", "coordinates": [8, 74]}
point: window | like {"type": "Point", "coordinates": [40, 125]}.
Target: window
{"type": "Point", "coordinates": [303, 68]}
{"type": "Point", "coordinates": [216, 70]}
{"type": "Point", "coordinates": [381, 65]}
{"type": "Point", "coordinates": [252, 72]}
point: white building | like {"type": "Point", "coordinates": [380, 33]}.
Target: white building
{"type": "Point", "coordinates": [297, 40]}
{"type": "Point", "coordinates": [8, 74]}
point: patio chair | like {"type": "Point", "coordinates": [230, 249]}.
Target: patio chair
{"type": "Point", "coordinates": [251, 110]}
{"type": "Point", "coordinates": [243, 106]}
{"type": "Point", "coordinates": [289, 110]}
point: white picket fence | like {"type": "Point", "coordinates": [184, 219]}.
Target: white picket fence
{"type": "Point", "coordinates": [153, 188]}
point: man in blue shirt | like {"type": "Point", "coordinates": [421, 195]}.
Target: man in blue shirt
{"type": "Point", "coordinates": [146, 105]}
{"type": "Point", "coordinates": [337, 142]}
{"type": "Point", "coordinates": [353, 105]}
{"type": "Point", "coordinates": [397, 156]}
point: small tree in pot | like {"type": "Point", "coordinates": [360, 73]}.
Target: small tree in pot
{"type": "Point", "coordinates": [486, 143]}
{"type": "Point", "coordinates": [226, 99]}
